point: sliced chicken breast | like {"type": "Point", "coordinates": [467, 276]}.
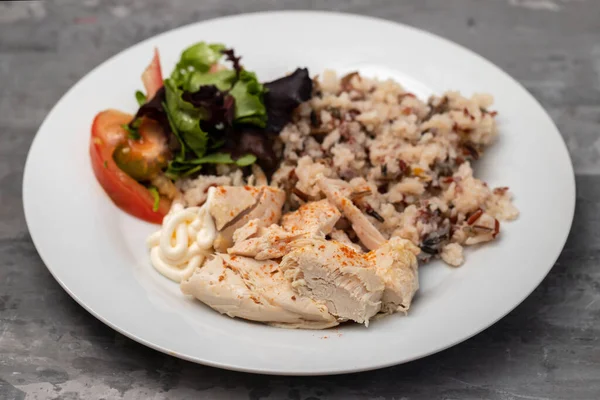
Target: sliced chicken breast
{"type": "Point", "coordinates": [311, 220]}
{"type": "Point", "coordinates": [271, 243]}
{"type": "Point", "coordinates": [250, 229]}
{"type": "Point", "coordinates": [396, 264]}
{"type": "Point", "coordinates": [366, 232]}
{"type": "Point", "coordinates": [266, 209]}
{"type": "Point", "coordinates": [331, 272]}
{"type": "Point", "coordinates": [315, 218]}
{"type": "Point", "coordinates": [224, 290]}
{"type": "Point", "coordinates": [268, 281]}
{"type": "Point", "coordinates": [254, 290]}
{"type": "Point", "coordinates": [231, 201]}
{"type": "Point", "coordinates": [340, 236]}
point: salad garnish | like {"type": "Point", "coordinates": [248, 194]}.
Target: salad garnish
{"type": "Point", "coordinates": [210, 110]}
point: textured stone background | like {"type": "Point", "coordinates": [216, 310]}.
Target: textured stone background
{"type": "Point", "coordinates": [548, 348]}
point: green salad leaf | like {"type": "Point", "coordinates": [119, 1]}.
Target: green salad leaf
{"type": "Point", "coordinates": [225, 158]}
{"type": "Point", "coordinates": [156, 196]}
{"type": "Point", "coordinates": [132, 130]}
{"type": "Point", "coordinates": [185, 120]}
{"type": "Point", "coordinates": [179, 167]}
{"type": "Point", "coordinates": [140, 98]}
{"type": "Point", "coordinates": [221, 79]}
{"type": "Point", "coordinates": [198, 57]}
{"type": "Point", "coordinates": [182, 168]}
{"type": "Point", "coordinates": [245, 160]}
{"type": "Point", "coordinates": [249, 100]}
{"type": "Point", "coordinates": [204, 108]}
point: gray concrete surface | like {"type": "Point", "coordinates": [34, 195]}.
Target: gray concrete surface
{"type": "Point", "coordinates": [548, 348]}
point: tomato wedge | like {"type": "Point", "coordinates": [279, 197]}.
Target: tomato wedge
{"type": "Point", "coordinates": [152, 76]}
{"type": "Point", "coordinates": [125, 192]}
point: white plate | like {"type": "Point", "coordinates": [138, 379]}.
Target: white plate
{"type": "Point", "coordinates": [97, 253]}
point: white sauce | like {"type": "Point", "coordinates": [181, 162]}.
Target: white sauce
{"type": "Point", "coordinates": [185, 239]}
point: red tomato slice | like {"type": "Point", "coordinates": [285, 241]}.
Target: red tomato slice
{"type": "Point", "coordinates": [152, 76]}
{"type": "Point", "coordinates": [125, 192]}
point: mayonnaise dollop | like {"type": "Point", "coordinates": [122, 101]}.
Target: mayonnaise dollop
{"type": "Point", "coordinates": [186, 237]}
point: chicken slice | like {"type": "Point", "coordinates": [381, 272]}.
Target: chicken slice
{"type": "Point", "coordinates": [268, 281]}
{"type": "Point", "coordinates": [340, 236]}
{"type": "Point", "coordinates": [266, 209]}
{"type": "Point", "coordinates": [366, 232]}
{"type": "Point", "coordinates": [250, 229]}
{"type": "Point", "coordinates": [254, 290]}
{"type": "Point", "coordinates": [224, 290]}
{"type": "Point", "coordinates": [336, 274]}
{"type": "Point", "coordinates": [315, 218]}
{"type": "Point", "coordinates": [231, 201]}
{"type": "Point", "coordinates": [270, 243]}
{"type": "Point", "coordinates": [396, 264]}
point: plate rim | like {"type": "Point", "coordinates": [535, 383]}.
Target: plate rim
{"type": "Point", "coordinates": [513, 304]}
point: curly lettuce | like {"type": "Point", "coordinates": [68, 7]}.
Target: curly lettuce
{"type": "Point", "coordinates": [215, 115]}
{"type": "Point", "coordinates": [204, 106]}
